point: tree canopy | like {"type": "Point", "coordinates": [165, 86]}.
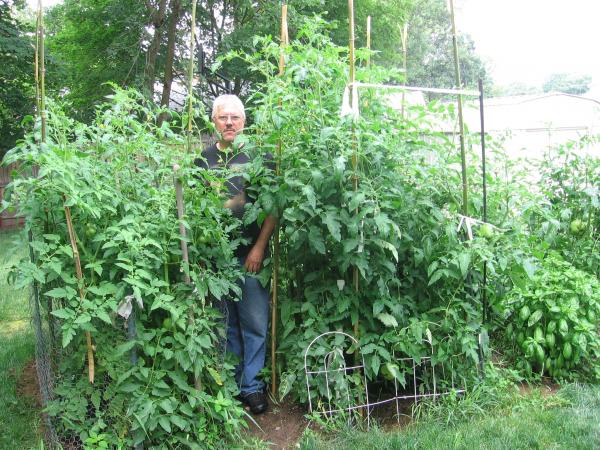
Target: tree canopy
{"type": "Point", "coordinates": [567, 83]}
{"type": "Point", "coordinates": [17, 88]}
{"type": "Point", "coordinates": [145, 44]}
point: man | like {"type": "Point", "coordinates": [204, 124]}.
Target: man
{"type": "Point", "coordinates": [248, 318]}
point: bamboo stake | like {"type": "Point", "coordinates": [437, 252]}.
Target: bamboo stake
{"type": "Point", "coordinates": [184, 249]}
{"type": "Point", "coordinates": [80, 281]}
{"type": "Point", "coordinates": [191, 79]}
{"type": "Point", "coordinates": [404, 38]}
{"type": "Point", "coordinates": [463, 156]}
{"type": "Point", "coordinates": [276, 248]}
{"type": "Point", "coordinates": [352, 76]}
{"type": "Point", "coordinates": [42, 70]}
{"type": "Point", "coordinates": [369, 42]}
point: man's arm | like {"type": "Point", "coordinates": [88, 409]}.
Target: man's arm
{"type": "Point", "coordinates": [257, 252]}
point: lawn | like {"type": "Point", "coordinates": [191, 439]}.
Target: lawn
{"type": "Point", "coordinates": [569, 419]}
{"type": "Point", "coordinates": [19, 416]}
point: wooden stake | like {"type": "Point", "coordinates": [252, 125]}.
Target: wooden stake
{"type": "Point", "coordinates": [404, 38]}
{"type": "Point", "coordinates": [184, 248]}
{"type": "Point", "coordinates": [369, 41]}
{"type": "Point", "coordinates": [191, 79]}
{"type": "Point", "coordinates": [276, 249]}
{"type": "Point", "coordinates": [42, 70]}
{"type": "Point", "coordinates": [352, 76]}
{"type": "Point", "coordinates": [80, 281]}
{"type": "Point", "coordinates": [463, 155]}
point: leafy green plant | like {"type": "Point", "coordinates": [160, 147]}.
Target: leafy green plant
{"type": "Point", "coordinates": [553, 321]}
{"type": "Point", "coordinates": [165, 381]}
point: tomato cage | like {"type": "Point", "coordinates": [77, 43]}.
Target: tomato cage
{"type": "Point", "coordinates": [337, 385]}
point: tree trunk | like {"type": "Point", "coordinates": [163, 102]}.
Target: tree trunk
{"type": "Point", "coordinates": [157, 18]}
{"type": "Point", "coordinates": [171, 38]}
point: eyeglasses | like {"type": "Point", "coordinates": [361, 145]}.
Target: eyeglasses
{"type": "Point", "coordinates": [233, 118]}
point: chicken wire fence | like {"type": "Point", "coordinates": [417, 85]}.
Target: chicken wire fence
{"type": "Point", "coordinates": [49, 354]}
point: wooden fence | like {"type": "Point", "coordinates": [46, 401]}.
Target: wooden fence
{"type": "Point", "coordinates": [8, 219]}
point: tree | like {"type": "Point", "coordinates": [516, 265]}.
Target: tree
{"type": "Point", "coordinates": [96, 41]}
{"type": "Point", "coordinates": [568, 83]}
{"type": "Point", "coordinates": [137, 43]}
{"type": "Point", "coordinates": [430, 52]}
{"type": "Point", "coordinates": [17, 88]}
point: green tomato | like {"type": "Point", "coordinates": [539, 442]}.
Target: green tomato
{"type": "Point", "coordinates": [486, 231]}
{"type": "Point", "coordinates": [577, 226]}
{"type": "Point", "coordinates": [90, 231]}
{"type": "Point", "coordinates": [167, 323]}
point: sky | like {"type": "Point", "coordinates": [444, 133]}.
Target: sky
{"type": "Point", "coordinates": [527, 40]}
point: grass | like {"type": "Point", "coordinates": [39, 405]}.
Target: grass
{"type": "Point", "coordinates": [19, 417]}
{"type": "Point", "coordinates": [568, 420]}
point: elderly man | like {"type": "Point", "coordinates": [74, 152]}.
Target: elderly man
{"type": "Point", "coordinates": [248, 318]}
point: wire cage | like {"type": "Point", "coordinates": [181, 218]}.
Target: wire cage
{"type": "Point", "coordinates": [335, 386]}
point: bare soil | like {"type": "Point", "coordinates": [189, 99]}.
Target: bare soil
{"type": "Point", "coordinates": [281, 426]}
{"type": "Point", "coordinates": [27, 385]}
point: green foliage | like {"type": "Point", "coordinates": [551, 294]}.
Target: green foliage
{"type": "Point", "coordinates": [569, 221]}
{"type": "Point", "coordinates": [567, 83]}
{"type": "Point", "coordinates": [95, 42]}
{"type": "Point", "coordinates": [167, 383]}
{"type": "Point", "coordinates": [17, 91]}
{"type": "Point", "coordinates": [430, 50]}
{"type": "Point", "coordinates": [418, 280]}
{"type": "Point", "coordinates": [554, 321]}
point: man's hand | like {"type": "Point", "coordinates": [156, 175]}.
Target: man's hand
{"type": "Point", "coordinates": [254, 259]}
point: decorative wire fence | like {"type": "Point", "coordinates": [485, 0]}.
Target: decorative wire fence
{"type": "Point", "coordinates": [336, 388]}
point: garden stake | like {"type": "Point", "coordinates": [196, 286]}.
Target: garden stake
{"type": "Point", "coordinates": [184, 248]}
{"type": "Point", "coordinates": [88, 335]}
{"type": "Point", "coordinates": [42, 70]}
{"type": "Point", "coordinates": [354, 145]}
{"type": "Point", "coordinates": [463, 156]}
{"type": "Point", "coordinates": [484, 183]}
{"type": "Point", "coordinates": [369, 42]}
{"type": "Point", "coordinates": [276, 250]}
{"type": "Point", "coordinates": [404, 39]}
{"type": "Point", "coordinates": [191, 79]}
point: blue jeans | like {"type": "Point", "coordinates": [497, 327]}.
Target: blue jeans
{"type": "Point", "coordinates": [247, 332]}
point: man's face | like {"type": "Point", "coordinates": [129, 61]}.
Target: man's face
{"type": "Point", "coordinates": [229, 121]}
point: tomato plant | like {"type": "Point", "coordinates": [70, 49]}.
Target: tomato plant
{"type": "Point", "coordinates": [163, 382]}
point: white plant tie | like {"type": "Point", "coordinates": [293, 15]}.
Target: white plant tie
{"type": "Point", "coordinates": [126, 306]}
{"type": "Point", "coordinates": [347, 108]}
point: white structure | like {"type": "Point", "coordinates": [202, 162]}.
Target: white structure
{"type": "Point", "coordinates": [534, 123]}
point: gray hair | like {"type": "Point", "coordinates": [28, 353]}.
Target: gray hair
{"type": "Point", "coordinates": [233, 100]}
